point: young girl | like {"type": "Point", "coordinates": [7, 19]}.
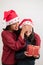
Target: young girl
{"type": "Point", "coordinates": [30, 38]}
{"type": "Point", "coordinates": [10, 44]}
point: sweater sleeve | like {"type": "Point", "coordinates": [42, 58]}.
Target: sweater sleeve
{"type": "Point", "coordinates": [11, 43]}
{"type": "Point", "coordinates": [37, 38]}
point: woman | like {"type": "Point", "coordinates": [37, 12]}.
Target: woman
{"type": "Point", "coordinates": [31, 38]}
{"type": "Point", "coordinates": [10, 44]}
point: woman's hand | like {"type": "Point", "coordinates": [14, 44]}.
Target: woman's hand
{"type": "Point", "coordinates": [23, 31]}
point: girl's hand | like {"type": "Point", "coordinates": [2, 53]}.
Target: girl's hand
{"type": "Point", "coordinates": [27, 54]}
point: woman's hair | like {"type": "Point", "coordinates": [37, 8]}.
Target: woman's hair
{"type": "Point", "coordinates": [7, 27]}
{"type": "Point", "coordinates": [31, 38]}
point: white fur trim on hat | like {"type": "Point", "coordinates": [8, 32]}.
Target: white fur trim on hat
{"type": "Point", "coordinates": [28, 23]}
{"type": "Point", "coordinates": [12, 21]}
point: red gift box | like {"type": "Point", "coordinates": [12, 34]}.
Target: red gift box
{"type": "Point", "coordinates": [36, 51]}
{"type": "Point", "coordinates": [30, 50]}
{"type": "Point", "coordinates": [33, 50]}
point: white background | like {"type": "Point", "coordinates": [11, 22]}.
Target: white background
{"type": "Point", "coordinates": [25, 9]}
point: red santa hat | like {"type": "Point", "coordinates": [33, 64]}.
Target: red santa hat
{"type": "Point", "coordinates": [26, 21]}
{"type": "Point", "coordinates": [10, 17]}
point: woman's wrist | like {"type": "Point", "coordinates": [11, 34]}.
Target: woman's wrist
{"type": "Point", "coordinates": [22, 35]}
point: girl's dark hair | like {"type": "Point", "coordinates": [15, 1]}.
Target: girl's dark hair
{"type": "Point", "coordinates": [7, 27]}
{"type": "Point", "coordinates": [31, 38]}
